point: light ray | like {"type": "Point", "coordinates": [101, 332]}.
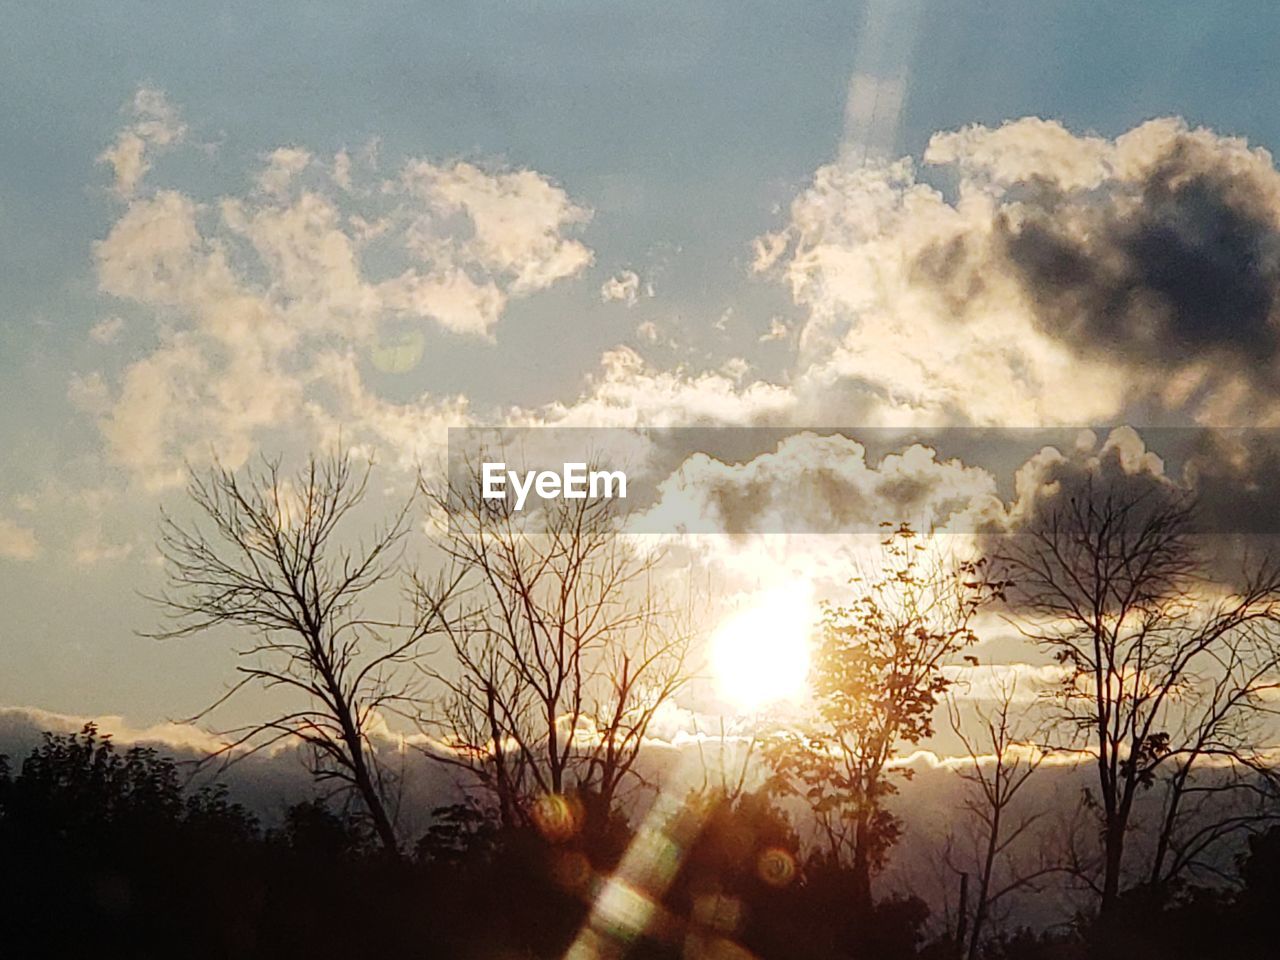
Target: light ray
{"type": "Point", "coordinates": [881, 81]}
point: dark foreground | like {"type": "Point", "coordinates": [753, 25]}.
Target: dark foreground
{"type": "Point", "coordinates": [105, 853]}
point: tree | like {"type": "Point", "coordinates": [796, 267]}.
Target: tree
{"type": "Point", "coordinates": [104, 853]}
{"type": "Point", "coordinates": [1002, 756]}
{"type": "Point", "coordinates": [1164, 668]}
{"type": "Point", "coordinates": [82, 783]}
{"type": "Point", "coordinates": [561, 650]}
{"type": "Point", "coordinates": [270, 557]}
{"type": "Point", "coordinates": [878, 675]}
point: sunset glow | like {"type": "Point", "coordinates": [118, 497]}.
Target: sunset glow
{"type": "Point", "coordinates": [761, 655]}
{"type": "Point", "coordinates": [604, 481]}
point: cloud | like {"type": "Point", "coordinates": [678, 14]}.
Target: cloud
{"type": "Point", "coordinates": [255, 295]}
{"type": "Point", "coordinates": [184, 401]}
{"type": "Point", "coordinates": [155, 124]}
{"type": "Point", "coordinates": [779, 329]}
{"type": "Point", "coordinates": [999, 301]}
{"type": "Point", "coordinates": [824, 485]}
{"type": "Point", "coordinates": [156, 254]}
{"type": "Point", "coordinates": [1122, 465]}
{"type": "Point", "coordinates": [1235, 476]}
{"type": "Point", "coordinates": [1023, 683]}
{"type": "Point", "coordinates": [89, 393]}
{"type": "Point", "coordinates": [341, 172]}
{"type": "Point", "coordinates": [65, 518]}
{"type": "Point", "coordinates": [283, 164]}
{"type": "Point", "coordinates": [91, 548]}
{"type": "Point", "coordinates": [21, 726]}
{"type": "Point", "coordinates": [1075, 278]}
{"type": "Point", "coordinates": [1178, 268]}
{"type": "Point", "coordinates": [625, 287]}
{"type": "Point", "coordinates": [883, 345]}
{"type": "Point", "coordinates": [1062, 279]}
{"type": "Point", "coordinates": [627, 392]}
{"type": "Point", "coordinates": [451, 297]}
{"type": "Point", "coordinates": [407, 435]}
{"type": "Point", "coordinates": [517, 219]}
{"type": "Point", "coordinates": [736, 368]}
{"type": "Point", "coordinates": [107, 330]}
{"type": "Point", "coordinates": [16, 541]}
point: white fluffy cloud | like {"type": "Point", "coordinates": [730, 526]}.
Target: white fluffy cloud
{"type": "Point", "coordinates": [878, 335]}
{"type": "Point", "coordinates": [154, 124]}
{"type": "Point", "coordinates": [924, 307]}
{"type": "Point", "coordinates": [21, 726]}
{"type": "Point", "coordinates": [517, 221]}
{"type": "Point", "coordinates": [825, 485]}
{"type": "Point", "coordinates": [262, 299]}
{"type": "Point", "coordinates": [1065, 279]}
{"type": "Point", "coordinates": [1061, 278]}
{"type": "Point", "coordinates": [628, 392]}
{"type": "Point", "coordinates": [283, 164]}
{"type": "Point", "coordinates": [625, 287]}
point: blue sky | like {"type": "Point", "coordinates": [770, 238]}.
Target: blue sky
{"type": "Point", "coordinates": [686, 130]}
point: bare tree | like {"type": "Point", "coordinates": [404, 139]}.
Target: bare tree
{"type": "Point", "coordinates": [560, 649]}
{"type": "Point", "coordinates": [878, 676]}
{"type": "Point", "coordinates": [267, 553]}
{"type": "Point", "coordinates": [1219, 778]}
{"type": "Point", "coordinates": [1163, 667]}
{"type": "Point", "coordinates": [1001, 756]}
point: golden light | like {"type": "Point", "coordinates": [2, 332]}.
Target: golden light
{"type": "Point", "coordinates": [761, 655]}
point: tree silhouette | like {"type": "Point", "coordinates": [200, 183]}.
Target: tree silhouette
{"type": "Point", "coordinates": [1000, 746]}
{"type": "Point", "coordinates": [877, 677]}
{"type": "Point", "coordinates": [272, 559]}
{"type": "Point", "coordinates": [107, 853]}
{"type": "Point", "coordinates": [115, 833]}
{"type": "Point", "coordinates": [1164, 668]}
{"type": "Point", "coordinates": [560, 650]}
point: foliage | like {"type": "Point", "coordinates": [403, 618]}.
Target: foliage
{"type": "Point", "coordinates": [877, 679]}
{"type": "Point", "coordinates": [107, 853]}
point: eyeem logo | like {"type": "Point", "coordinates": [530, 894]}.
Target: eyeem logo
{"type": "Point", "coordinates": [574, 482]}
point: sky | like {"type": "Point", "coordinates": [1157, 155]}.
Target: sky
{"type": "Point", "coordinates": [247, 228]}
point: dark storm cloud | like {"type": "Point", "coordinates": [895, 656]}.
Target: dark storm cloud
{"type": "Point", "coordinates": [1159, 250]}
{"type": "Point", "coordinates": [1190, 267]}
{"type": "Point", "coordinates": [1236, 478]}
{"type": "Point", "coordinates": [1229, 478]}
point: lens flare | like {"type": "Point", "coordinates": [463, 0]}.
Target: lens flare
{"type": "Point", "coordinates": [557, 817]}
{"type": "Point", "coordinates": [776, 867]}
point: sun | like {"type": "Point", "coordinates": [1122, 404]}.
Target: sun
{"type": "Point", "coordinates": [761, 655]}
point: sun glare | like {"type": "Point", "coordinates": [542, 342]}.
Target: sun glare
{"type": "Point", "coordinates": [761, 655]}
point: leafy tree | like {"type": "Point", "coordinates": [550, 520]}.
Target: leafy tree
{"type": "Point", "coordinates": [877, 677]}
{"type": "Point", "coordinates": [459, 833]}
{"type": "Point", "coordinates": [82, 782]}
